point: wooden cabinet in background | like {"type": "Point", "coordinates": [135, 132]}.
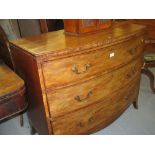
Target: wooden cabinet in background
{"type": "Point", "coordinates": [150, 27]}
{"type": "Point", "coordinates": [78, 85]}
{"type": "Point", "coordinates": [149, 23]}
{"type": "Point", "coordinates": [83, 26]}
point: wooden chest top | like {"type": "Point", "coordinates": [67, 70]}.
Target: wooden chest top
{"type": "Point", "coordinates": [57, 42]}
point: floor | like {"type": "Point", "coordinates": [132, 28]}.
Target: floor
{"type": "Point", "coordinates": [131, 122]}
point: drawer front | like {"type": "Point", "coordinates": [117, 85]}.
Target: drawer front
{"type": "Point", "coordinates": [71, 98]}
{"type": "Point", "coordinates": [88, 119]}
{"type": "Point", "coordinates": [70, 70]}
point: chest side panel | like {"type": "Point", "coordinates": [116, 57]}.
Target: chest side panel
{"type": "Point", "coordinates": [27, 68]}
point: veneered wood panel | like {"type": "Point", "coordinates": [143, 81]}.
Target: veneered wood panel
{"type": "Point", "coordinates": [87, 25]}
{"type": "Point", "coordinates": [9, 81]}
{"type": "Point", "coordinates": [70, 25]}
{"type": "Point", "coordinates": [43, 60]}
{"type": "Point", "coordinates": [71, 69]}
{"type": "Point", "coordinates": [12, 93]}
{"type": "Point", "coordinates": [74, 97]}
{"type": "Point", "coordinates": [58, 43]}
{"type": "Point", "coordinates": [88, 119]}
{"type": "Point", "coordinates": [26, 67]}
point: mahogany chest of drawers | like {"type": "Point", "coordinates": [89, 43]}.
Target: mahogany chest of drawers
{"type": "Point", "coordinates": [78, 85]}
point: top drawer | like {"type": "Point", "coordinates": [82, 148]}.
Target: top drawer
{"type": "Point", "coordinates": [69, 70]}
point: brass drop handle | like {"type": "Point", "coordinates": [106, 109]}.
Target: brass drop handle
{"type": "Point", "coordinates": [91, 120]}
{"type": "Point", "coordinates": [132, 50]}
{"type": "Point", "coordinates": [80, 125]}
{"type": "Point", "coordinates": [80, 99]}
{"type": "Point", "coordinates": [142, 40]}
{"type": "Point", "coordinates": [131, 73]}
{"type": "Point", "coordinates": [126, 98]}
{"type": "Point", "coordinates": [75, 69]}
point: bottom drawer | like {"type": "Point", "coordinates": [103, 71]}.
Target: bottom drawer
{"type": "Point", "coordinates": [96, 116]}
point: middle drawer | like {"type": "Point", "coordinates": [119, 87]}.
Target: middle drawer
{"type": "Point", "coordinates": [68, 99]}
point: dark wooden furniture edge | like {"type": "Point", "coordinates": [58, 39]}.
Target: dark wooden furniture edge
{"type": "Point", "coordinates": [14, 93]}
{"type": "Point", "coordinates": [33, 90]}
{"type": "Point", "coordinates": [14, 114]}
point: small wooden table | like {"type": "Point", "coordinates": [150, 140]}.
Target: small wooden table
{"type": "Point", "coordinates": [12, 93]}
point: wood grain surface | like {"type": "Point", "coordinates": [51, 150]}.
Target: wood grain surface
{"type": "Point", "coordinates": [57, 42]}
{"type": "Point", "coordinates": [12, 93]}
{"type": "Point", "coordinates": [80, 122]}
{"type": "Point", "coordinates": [102, 60]}
{"type": "Point", "coordinates": [77, 96]}
{"type": "Point", "coordinates": [78, 85]}
{"type": "Point", "coordinates": [9, 81]}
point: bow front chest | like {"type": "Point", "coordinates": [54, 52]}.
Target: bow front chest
{"type": "Point", "coordinates": [78, 85]}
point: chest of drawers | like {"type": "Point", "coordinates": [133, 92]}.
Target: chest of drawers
{"type": "Point", "coordinates": [78, 85]}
